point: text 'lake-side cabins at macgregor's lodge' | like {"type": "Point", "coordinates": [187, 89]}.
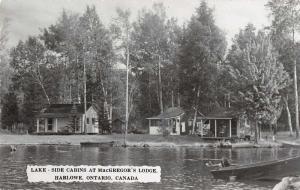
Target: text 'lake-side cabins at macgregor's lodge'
{"type": "Point", "coordinates": [222, 123]}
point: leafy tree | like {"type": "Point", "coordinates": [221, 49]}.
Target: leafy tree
{"type": "Point", "coordinates": [123, 34]}
{"type": "Point", "coordinates": [3, 35]}
{"type": "Point", "coordinates": [151, 38]}
{"type": "Point", "coordinates": [6, 71]}
{"type": "Point", "coordinates": [96, 55]}
{"type": "Point", "coordinates": [285, 23]}
{"type": "Point", "coordinates": [154, 42]}
{"type": "Point", "coordinates": [84, 55]}
{"type": "Point", "coordinates": [36, 77]}
{"type": "Point", "coordinates": [61, 38]}
{"type": "Point", "coordinates": [9, 114]}
{"type": "Point", "coordinates": [28, 60]}
{"type": "Point", "coordinates": [201, 49]}
{"type": "Point", "coordinates": [258, 78]}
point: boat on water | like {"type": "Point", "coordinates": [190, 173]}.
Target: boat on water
{"type": "Point", "coordinates": [98, 144]}
{"type": "Point", "coordinates": [289, 144]}
{"type": "Point", "coordinates": [268, 170]}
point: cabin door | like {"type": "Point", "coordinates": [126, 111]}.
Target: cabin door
{"type": "Point", "coordinates": [182, 127]}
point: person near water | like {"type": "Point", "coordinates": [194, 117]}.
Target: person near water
{"type": "Point", "coordinates": [224, 163]}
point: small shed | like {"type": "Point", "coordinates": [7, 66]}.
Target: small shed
{"type": "Point", "coordinates": [170, 120]}
{"type": "Point", "coordinates": [118, 126]}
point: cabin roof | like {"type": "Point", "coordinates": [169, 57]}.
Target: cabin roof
{"type": "Point", "coordinates": [172, 112]}
{"type": "Point", "coordinates": [118, 120]}
{"type": "Point", "coordinates": [221, 113]}
{"type": "Point", "coordinates": [62, 110]}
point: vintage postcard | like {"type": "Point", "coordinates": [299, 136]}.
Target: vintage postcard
{"type": "Point", "coordinates": [149, 94]}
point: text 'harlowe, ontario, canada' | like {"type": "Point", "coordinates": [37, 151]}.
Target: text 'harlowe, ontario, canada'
{"type": "Point", "coordinates": [109, 174]}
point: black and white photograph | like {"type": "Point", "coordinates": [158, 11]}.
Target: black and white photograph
{"type": "Point", "coordinates": [149, 94]}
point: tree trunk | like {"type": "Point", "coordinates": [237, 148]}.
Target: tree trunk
{"type": "Point", "coordinates": [275, 129]}
{"type": "Point", "coordinates": [84, 93]}
{"type": "Point", "coordinates": [39, 80]}
{"type": "Point", "coordinates": [172, 98]}
{"type": "Point", "coordinates": [256, 132]}
{"type": "Point", "coordinates": [194, 121]}
{"type": "Point", "coordinates": [196, 110]}
{"type": "Point", "coordinates": [160, 87]}
{"type": "Point", "coordinates": [271, 128]}
{"type": "Point", "coordinates": [259, 132]}
{"type": "Point", "coordinates": [126, 102]}
{"type": "Point", "coordinates": [110, 111]}
{"type": "Point", "coordinates": [288, 115]}
{"type": "Point", "coordinates": [178, 99]}
{"type": "Point", "coordinates": [45, 93]}
{"type": "Point", "coordinates": [149, 94]}
{"type": "Point", "coordinates": [295, 85]}
{"type": "Point", "coordinates": [296, 99]}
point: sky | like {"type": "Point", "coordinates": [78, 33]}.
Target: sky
{"type": "Point", "coordinates": [28, 17]}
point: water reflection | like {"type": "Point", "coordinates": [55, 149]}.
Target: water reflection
{"type": "Point", "coordinates": [182, 168]}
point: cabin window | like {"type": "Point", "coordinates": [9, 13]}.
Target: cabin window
{"type": "Point", "coordinates": [155, 122]}
{"type": "Point", "coordinates": [93, 121]}
{"type": "Point", "coordinates": [234, 127]}
{"type": "Point", "coordinates": [174, 128]}
{"type": "Point", "coordinates": [190, 122]}
{"type": "Point", "coordinates": [50, 124]}
{"type": "Point", "coordinates": [87, 120]}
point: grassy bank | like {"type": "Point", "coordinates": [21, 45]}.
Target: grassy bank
{"type": "Point", "coordinates": [132, 140]}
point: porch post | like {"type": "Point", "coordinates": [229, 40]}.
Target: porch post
{"type": "Point", "coordinates": [201, 124]}
{"type": "Point", "coordinates": [210, 127]}
{"type": "Point", "coordinates": [215, 128]}
{"type": "Point", "coordinates": [230, 128]}
{"type": "Point", "coordinates": [46, 126]}
{"type": "Point", "coordinates": [178, 124]}
{"type": "Point", "coordinates": [82, 123]}
{"type": "Point", "coordinates": [56, 125]}
{"type": "Point", "coordinates": [38, 125]}
{"type": "Point", "coordinates": [149, 126]}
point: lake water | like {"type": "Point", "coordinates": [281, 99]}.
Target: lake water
{"type": "Point", "coordinates": [182, 168]}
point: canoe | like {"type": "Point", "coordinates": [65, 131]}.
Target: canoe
{"type": "Point", "coordinates": [289, 144]}
{"type": "Point", "coordinates": [267, 170]}
{"type": "Point", "coordinates": [97, 144]}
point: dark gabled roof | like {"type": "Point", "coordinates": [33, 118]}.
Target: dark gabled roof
{"type": "Point", "coordinates": [96, 107]}
{"type": "Point", "coordinates": [169, 113]}
{"type": "Point", "coordinates": [118, 120]}
{"type": "Point", "coordinates": [62, 110]}
{"type": "Point", "coordinates": [222, 113]}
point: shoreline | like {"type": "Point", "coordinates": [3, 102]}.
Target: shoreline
{"type": "Point", "coordinates": [133, 140]}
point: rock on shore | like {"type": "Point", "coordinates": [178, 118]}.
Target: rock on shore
{"type": "Point", "coordinates": [288, 183]}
